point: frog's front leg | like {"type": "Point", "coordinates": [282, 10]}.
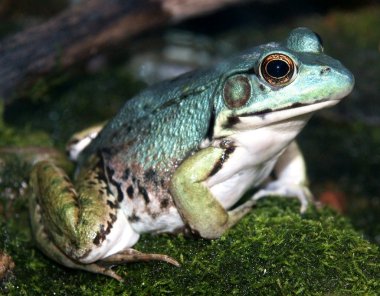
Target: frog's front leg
{"type": "Point", "coordinates": [82, 227]}
{"type": "Point", "coordinates": [195, 202]}
{"type": "Point", "coordinates": [290, 178]}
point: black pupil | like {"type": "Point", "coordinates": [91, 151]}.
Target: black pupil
{"type": "Point", "coordinates": [277, 68]}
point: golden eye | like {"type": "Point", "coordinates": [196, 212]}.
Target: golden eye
{"type": "Point", "coordinates": [277, 69]}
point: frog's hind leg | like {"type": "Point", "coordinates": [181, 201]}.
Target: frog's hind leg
{"type": "Point", "coordinates": [46, 245]}
{"type": "Point", "coordinates": [102, 266]}
{"type": "Point", "coordinates": [80, 226]}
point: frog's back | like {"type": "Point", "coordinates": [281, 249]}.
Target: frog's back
{"type": "Point", "coordinates": [161, 125]}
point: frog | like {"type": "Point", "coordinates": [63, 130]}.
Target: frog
{"type": "Point", "coordinates": [180, 155]}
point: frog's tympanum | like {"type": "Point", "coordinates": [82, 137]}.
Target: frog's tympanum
{"type": "Point", "coordinates": [180, 155]}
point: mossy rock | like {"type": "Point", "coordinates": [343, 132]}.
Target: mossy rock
{"type": "Point", "coordinates": [273, 251]}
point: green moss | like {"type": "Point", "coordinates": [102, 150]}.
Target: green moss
{"type": "Point", "coordinates": [273, 251]}
{"type": "Point", "coordinates": [352, 166]}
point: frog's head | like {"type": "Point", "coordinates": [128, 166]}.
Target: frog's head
{"type": "Point", "coordinates": [279, 81]}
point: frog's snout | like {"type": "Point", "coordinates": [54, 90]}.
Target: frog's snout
{"type": "Point", "coordinates": [346, 80]}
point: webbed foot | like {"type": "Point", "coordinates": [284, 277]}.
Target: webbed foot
{"type": "Point", "coordinates": [289, 190]}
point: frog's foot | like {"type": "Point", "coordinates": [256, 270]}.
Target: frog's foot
{"type": "Point", "coordinates": [128, 255]}
{"type": "Point", "coordinates": [101, 266]}
{"type": "Point", "coordinates": [131, 255]}
{"type": "Point", "coordinates": [281, 189]}
{"type": "Point", "coordinates": [52, 251]}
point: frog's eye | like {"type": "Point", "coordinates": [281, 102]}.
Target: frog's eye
{"type": "Point", "coordinates": [236, 91]}
{"type": "Point", "coordinates": [277, 69]}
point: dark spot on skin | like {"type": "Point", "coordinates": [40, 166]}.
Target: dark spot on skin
{"type": "Point", "coordinates": [109, 226]}
{"type": "Point", "coordinates": [126, 174]}
{"type": "Point", "coordinates": [110, 172]}
{"type": "Point", "coordinates": [112, 205]}
{"type": "Point", "coordinates": [144, 193]}
{"type": "Point", "coordinates": [120, 195]}
{"type": "Point", "coordinates": [130, 191]}
{"type": "Point", "coordinates": [117, 185]}
{"type": "Point", "coordinates": [150, 175]}
{"type": "Point", "coordinates": [113, 217]}
{"type": "Point", "coordinates": [325, 70]}
{"type": "Point", "coordinates": [164, 203]}
{"type": "Point", "coordinates": [133, 218]}
{"type": "Point", "coordinates": [100, 176]}
{"type": "Point", "coordinates": [100, 236]}
{"type": "Point", "coordinates": [229, 150]}
{"type": "Point", "coordinates": [103, 232]}
{"type": "Point", "coordinates": [222, 160]}
{"type": "Point", "coordinates": [262, 87]}
{"type": "Point", "coordinates": [231, 121]}
{"type": "Point", "coordinates": [108, 190]}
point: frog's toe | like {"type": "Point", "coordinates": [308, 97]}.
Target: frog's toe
{"type": "Point", "coordinates": [99, 268]}
{"type": "Point", "coordinates": [131, 255]}
{"type": "Point", "coordinates": [301, 192]}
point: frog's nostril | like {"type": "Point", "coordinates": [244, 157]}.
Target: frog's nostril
{"type": "Point", "coordinates": [325, 70]}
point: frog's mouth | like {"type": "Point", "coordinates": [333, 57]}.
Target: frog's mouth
{"type": "Point", "coordinates": [268, 116]}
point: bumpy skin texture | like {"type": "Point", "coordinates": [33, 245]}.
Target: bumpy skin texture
{"type": "Point", "coordinates": [180, 154]}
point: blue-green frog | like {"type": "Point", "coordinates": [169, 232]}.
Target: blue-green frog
{"type": "Point", "coordinates": [181, 154]}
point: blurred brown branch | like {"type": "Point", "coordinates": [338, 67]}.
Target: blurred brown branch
{"type": "Point", "coordinates": [85, 29]}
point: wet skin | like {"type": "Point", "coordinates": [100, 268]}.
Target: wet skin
{"type": "Point", "coordinates": [179, 155]}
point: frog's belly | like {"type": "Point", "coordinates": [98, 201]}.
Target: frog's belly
{"type": "Point", "coordinates": [150, 218]}
{"type": "Point", "coordinates": [169, 221]}
{"type": "Point", "coordinates": [229, 192]}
